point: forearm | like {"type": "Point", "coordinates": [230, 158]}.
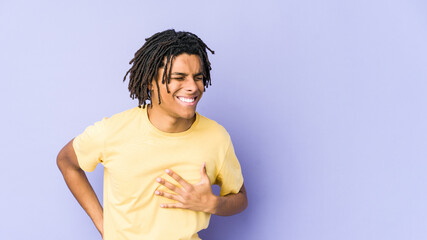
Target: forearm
{"type": "Point", "coordinates": [80, 187]}
{"type": "Point", "coordinates": [230, 204]}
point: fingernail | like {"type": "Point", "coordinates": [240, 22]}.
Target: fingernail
{"type": "Point", "coordinates": [157, 192]}
{"type": "Point", "coordinates": [158, 179]}
{"type": "Point", "coordinates": [168, 171]}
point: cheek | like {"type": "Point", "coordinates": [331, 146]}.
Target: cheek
{"type": "Point", "coordinates": [201, 86]}
{"type": "Point", "coordinates": [164, 91]}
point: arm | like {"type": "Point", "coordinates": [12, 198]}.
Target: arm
{"type": "Point", "coordinates": [199, 197]}
{"type": "Point", "coordinates": [79, 185]}
{"type": "Point", "coordinates": [230, 204]}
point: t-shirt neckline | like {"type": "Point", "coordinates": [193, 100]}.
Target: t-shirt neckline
{"type": "Point", "coordinates": [167, 134]}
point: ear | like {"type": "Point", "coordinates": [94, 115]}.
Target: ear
{"type": "Point", "coordinates": [151, 85]}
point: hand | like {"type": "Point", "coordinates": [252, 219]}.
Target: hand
{"type": "Point", "coordinates": [100, 228]}
{"type": "Point", "coordinates": [198, 197]}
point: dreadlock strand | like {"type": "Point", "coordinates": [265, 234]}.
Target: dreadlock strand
{"type": "Point", "coordinates": [151, 56]}
{"type": "Point", "coordinates": [168, 77]}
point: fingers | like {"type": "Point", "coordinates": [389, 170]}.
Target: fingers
{"type": "Point", "coordinates": [167, 195]}
{"type": "Point", "coordinates": [172, 205]}
{"type": "Point", "coordinates": [179, 179]}
{"type": "Point", "coordinates": [169, 185]}
{"type": "Point", "coordinates": [188, 196]}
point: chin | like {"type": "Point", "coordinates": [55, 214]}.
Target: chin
{"type": "Point", "coordinates": [188, 114]}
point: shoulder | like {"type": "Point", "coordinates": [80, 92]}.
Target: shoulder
{"type": "Point", "coordinates": [214, 128]}
{"type": "Point", "coordinates": [122, 118]}
{"type": "Point", "coordinates": [125, 114]}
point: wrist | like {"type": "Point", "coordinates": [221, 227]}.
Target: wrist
{"type": "Point", "coordinates": [213, 204]}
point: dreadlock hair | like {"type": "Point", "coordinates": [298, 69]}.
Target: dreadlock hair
{"type": "Point", "coordinates": [150, 57]}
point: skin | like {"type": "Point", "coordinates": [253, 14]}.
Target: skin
{"type": "Point", "coordinates": [174, 116]}
{"type": "Point", "coordinates": [170, 116]}
{"type": "Point", "coordinates": [79, 185]}
{"type": "Point", "coordinates": [186, 80]}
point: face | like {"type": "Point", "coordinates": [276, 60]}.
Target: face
{"type": "Point", "coordinates": [185, 86]}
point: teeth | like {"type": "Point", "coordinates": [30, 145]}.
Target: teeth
{"type": "Point", "coordinates": [189, 100]}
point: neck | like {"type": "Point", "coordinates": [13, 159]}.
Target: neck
{"type": "Point", "coordinates": [167, 123]}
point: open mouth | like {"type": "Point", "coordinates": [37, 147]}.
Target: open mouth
{"type": "Point", "coordinates": [187, 100]}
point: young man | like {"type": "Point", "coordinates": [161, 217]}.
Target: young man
{"type": "Point", "coordinates": [160, 159]}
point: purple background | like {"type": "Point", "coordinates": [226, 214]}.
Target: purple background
{"type": "Point", "coordinates": [325, 102]}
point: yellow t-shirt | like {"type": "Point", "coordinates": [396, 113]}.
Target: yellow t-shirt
{"type": "Point", "coordinates": [134, 153]}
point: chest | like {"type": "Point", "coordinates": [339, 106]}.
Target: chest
{"type": "Point", "coordinates": [146, 158]}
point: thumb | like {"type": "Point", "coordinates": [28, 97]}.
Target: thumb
{"type": "Point", "coordinates": [203, 170]}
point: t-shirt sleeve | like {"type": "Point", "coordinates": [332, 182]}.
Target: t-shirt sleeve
{"type": "Point", "coordinates": [89, 146]}
{"type": "Point", "coordinates": [230, 177]}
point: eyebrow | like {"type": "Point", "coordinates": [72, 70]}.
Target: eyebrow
{"type": "Point", "coordinates": [185, 74]}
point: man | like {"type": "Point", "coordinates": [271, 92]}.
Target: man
{"type": "Point", "coordinates": [159, 160]}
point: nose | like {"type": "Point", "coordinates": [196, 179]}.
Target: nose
{"type": "Point", "coordinates": [190, 85]}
